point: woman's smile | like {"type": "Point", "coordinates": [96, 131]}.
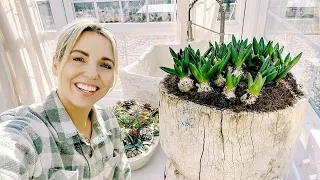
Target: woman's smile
{"type": "Point", "coordinates": [87, 89]}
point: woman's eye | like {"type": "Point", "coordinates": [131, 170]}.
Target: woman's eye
{"type": "Point", "coordinates": [107, 66]}
{"type": "Point", "coordinates": [78, 59]}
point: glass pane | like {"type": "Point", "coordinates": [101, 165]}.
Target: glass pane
{"type": "Point", "coordinates": [304, 16]}
{"type": "Point", "coordinates": [133, 11]}
{"type": "Point", "coordinates": [296, 25]}
{"type": "Point", "coordinates": [300, 12]}
{"type": "Point", "coordinates": [230, 7]}
{"type": "Point", "coordinates": [46, 15]}
{"type": "Point", "coordinates": [121, 44]}
{"type": "Point", "coordinates": [161, 10]}
{"type": "Point", "coordinates": [315, 93]}
{"type": "Point", "coordinates": [109, 12]}
{"type": "Point", "coordinates": [84, 10]}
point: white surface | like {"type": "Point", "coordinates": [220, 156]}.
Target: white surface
{"type": "Point", "coordinates": [141, 160]}
{"type": "Point", "coordinates": [311, 163]}
{"type": "Point", "coordinates": [312, 121]}
{"type": "Point", "coordinates": [154, 170]}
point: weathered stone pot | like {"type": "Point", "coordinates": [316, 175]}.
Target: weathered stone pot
{"type": "Point", "coordinates": [141, 160]}
{"type": "Point", "coordinates": [210, 144]}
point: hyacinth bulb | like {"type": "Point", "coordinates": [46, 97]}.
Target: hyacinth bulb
{"type": "Point", "coordinates": [185, 84]}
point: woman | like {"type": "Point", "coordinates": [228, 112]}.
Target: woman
{"type": "Point", "coordinates": [68, 137]}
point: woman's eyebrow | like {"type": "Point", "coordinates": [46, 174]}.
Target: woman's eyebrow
{"type": "Point", "coordinates": [87, 54]}
{"type": "Point", "coordinates": [107, 59]}
{"type": "Point", "coordinates": [80, 51]}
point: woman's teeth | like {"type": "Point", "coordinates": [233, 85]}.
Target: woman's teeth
{"type": "Point", "coordinates": [86, 87]}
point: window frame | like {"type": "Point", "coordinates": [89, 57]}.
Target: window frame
{"type": "Point", "coordinates": [121, 9]}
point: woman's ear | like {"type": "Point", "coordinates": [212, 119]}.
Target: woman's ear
{"type": "Point", "coordinates": [55, 65]}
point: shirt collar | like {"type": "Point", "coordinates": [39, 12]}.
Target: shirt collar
{"type": "Point", "coordinates": [60, 120]}
{"type": "Point", "coordinates": [99, 131]}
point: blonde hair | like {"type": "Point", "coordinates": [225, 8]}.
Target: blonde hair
{"type": "Point", "coordinates": [71, 33]}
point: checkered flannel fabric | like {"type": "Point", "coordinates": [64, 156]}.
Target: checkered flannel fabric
{"type": "Point", "coordinates": [41, 142]}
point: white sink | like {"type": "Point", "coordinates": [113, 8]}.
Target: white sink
{"type": "Point", "coordinates": [140, 79]}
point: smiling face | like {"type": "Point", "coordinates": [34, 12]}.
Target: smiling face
{"type": "Point", "coordinates": [88, 73]}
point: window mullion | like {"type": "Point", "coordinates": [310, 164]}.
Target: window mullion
{"type": "Point", "coordinates": [121, 12]}
{"type": "Point", "coordinates": [147, 12]}
{"type": "Point", "coordinates": [174, 11]}
{"type": "Point", "coordinates": [39, 15]}
{"type": "Point", "coordinates": [58, 13]}
{"type": "Point", "coordinates": [96, 10]}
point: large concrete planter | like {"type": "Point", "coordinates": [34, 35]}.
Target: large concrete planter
{"type": "Point", "coordinates": [210, 144]}
{"type": "Point", "coordinates": [140, 80]}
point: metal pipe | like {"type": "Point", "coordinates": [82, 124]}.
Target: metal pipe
{"type": "Point", "coordinates": [222, 22]}
{"type": "Point", "coordinates": [205, 28]}
{"type": "Point", "coordinates": [190, 7]}
{"type": "Point", "coordinates": [189, 31]}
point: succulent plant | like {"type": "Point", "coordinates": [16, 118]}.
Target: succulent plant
{"type": "Point", "coordinates": [139, 125]}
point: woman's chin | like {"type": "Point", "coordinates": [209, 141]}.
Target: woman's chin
{"type": "Point", "coordinates": [82, 104]}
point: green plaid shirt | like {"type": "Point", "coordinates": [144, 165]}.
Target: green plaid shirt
{"type": "Point", "coordinates": [41, 142]}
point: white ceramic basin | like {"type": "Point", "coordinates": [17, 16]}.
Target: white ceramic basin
{"type": "Point", "coordinates": [140, 80]}
{"type": "Point", "coordinates": [142, 159]}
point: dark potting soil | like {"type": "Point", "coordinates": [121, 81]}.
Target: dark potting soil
{"type": "Point", "coordinates": [272, 97]}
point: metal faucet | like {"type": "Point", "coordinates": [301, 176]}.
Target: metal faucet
{"type": "Point", "coordinates": [222, 22]}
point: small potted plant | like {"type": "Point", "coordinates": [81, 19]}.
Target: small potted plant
{"type": "Point", "coordinates": [140, 133]}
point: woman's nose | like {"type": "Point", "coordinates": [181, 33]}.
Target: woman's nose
{"type": "Point", "coordinates": [91, 71]}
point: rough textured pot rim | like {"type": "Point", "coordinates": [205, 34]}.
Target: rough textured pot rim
{"type": "Point", "coordinates": [163, 89]}
{"type": "Point", "coordinates": [144, 155]}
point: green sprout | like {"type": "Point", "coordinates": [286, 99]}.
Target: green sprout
{"type": "Point", "coordinates": [180, 66]}
{"type": "Point", "coordinates": [221, 51]}
{"type": "Point", "coordinates": [277, 71]}
{"type": "Point", "coordinates": [181, 70]}
{"type": "Point", "coordinates": [269, 72]}
{"type": "Point", "coordinates": [275, 54]}
{"type": "Point", "coordinates": [220, 64]}
{"type": "Point", "coordinates": [261, 51]}
{"type": "Point", "coordinates": [205, 55]}
{"type": "Point", "coordinates": [286, 65]}
{"type": "Point", "coordinates": [255, 86]}
{"type": "Point", "coordinates": [239, 56]}
{"type": "Point", "coordinates": [232, 81]}
{"type": "Point", "coordinates": [203, 72]}
{"type": "Point", "coordinates": [231, 84]}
